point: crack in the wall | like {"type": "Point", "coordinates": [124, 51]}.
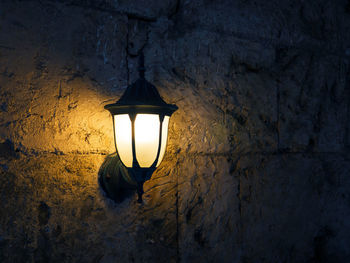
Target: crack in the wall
{"type": "Point", "coordinates": [32, 151]}
{"type": "Point", "coordinates": [347, 125]}
{"type": "Point", "coordinates": [140, 18]}
{"type": "Point", "coordinates": [239, 196]}
{"type": "Point", "coordinates": [230, 154]}
{"type": "Point", "coordinates": [59, 96]}
{"type": "Point", "coordinates": [127, 54]}
{"type": "Point", "coordinates": [107, 8]}
{"type": "Point", "coordinates": [6, 47]}
{"type": "Point", "coordinates": [305, 79]}
{"type": "Point", "coordinates": [176, 10]}
{"type": "Point", "coordinates": [111, 10]}
{"type": "Point", "coordinates": [178, 259]}
{"type": "Point", "coordinates": [35, 152]}
{"type": "Point", "coordinates": [278, 115]}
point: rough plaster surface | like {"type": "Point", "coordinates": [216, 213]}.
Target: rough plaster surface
{"type": "Point", "coordinates": [257, 167]}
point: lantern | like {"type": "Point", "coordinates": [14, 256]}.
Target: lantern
{"type": "Point", "coordinates": [140, 122]}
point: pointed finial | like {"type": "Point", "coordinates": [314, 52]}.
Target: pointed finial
{"type": "Point", "coordinates": [142, 65]}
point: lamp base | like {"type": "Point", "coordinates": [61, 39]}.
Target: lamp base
{"type": "Point", "coordinates": [115, 180]}
{"type": "Point", "coordinates": [139, 192]}
{"type": "Point", "coordinates": [140, 175]}
{"type": "Point", "coordinates": [119, 182]}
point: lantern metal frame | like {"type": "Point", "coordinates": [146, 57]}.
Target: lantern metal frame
{"type": "Point", "coordinates": [141, 97]}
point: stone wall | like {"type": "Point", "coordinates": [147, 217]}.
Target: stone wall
{"type": "Point", "coordinates": [257, 167]}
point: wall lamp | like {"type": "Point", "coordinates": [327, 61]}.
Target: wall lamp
{"type": "Point", "coordinates": [140, 123]}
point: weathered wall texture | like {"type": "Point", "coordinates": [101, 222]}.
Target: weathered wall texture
{"type": "Point", "coordinates": [258, 163]}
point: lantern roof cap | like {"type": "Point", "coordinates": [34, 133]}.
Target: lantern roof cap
{"type": "Point", "coordinates": [141, 96]}
{"type": "Point", "coordinates": [141, 92]}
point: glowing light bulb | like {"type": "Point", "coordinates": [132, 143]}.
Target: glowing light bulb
{"type": "Point", "coordinates": [146, 138]}
{"type": "Point", "coordinates": [123, 137]}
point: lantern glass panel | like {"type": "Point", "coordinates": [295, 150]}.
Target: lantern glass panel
{"type": "Point", "coordinates": [146, 138]}
{"type": "Point", "coordinates": [123, 134]}
{"type": "Point", "coordinates": [164, 139]}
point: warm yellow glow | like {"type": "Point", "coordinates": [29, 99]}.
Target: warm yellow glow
{"type": "Point", "coordinates": [123, 138]}
{"type": "Point", "coordinates": [146, 138]}
{"type": "Point", "coordinates": [164, 139]}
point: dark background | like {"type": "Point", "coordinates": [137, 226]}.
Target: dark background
{"type": "Point", "coordinates": [257, 167]}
